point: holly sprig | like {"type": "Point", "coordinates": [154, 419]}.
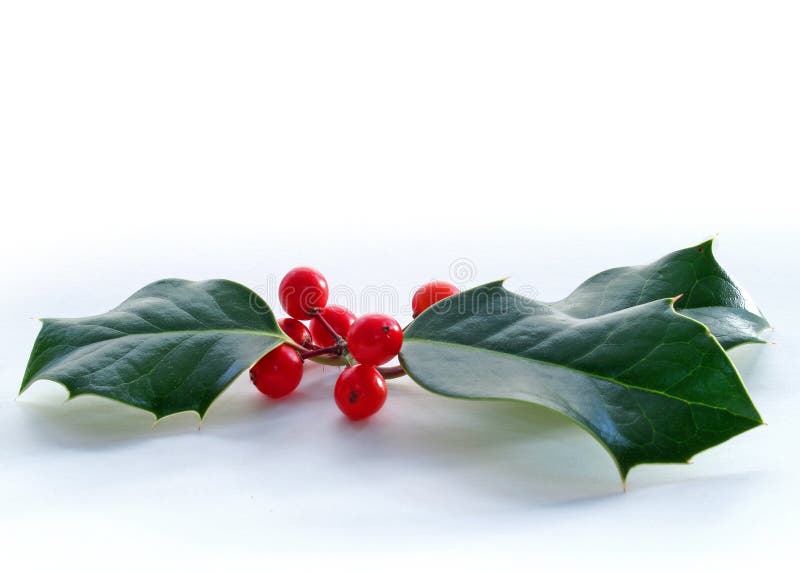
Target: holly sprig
{"type": "Point", "coordinates": [635, 355]}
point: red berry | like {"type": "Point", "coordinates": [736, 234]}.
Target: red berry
{"type": "Point", "coordinates": [340, 320]}
{"type": "Point", "coordinates": [374, 339]}
{"type": "Point", "coordinates": [296, 330]}
{"type": "Point", "coordinates": [302, 291]}
{"type": "Point", "coordinates": [278, 373]}
{"type": "Point", "coordinates": [430, 293]}
{"type": "Point", "coordinates": [360, 391]}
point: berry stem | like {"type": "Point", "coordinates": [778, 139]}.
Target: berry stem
{"type": "Point", "coordinates": [325, 324]}
{"type": "Point", "coordinates": [332, 350]}
{"type": "Point", "coordinates": [392, 372]}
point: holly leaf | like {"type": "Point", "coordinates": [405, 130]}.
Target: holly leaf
{"type": "Point", "coordinates": [173, 346]}
{"type": "Point", "coordinates": [652, 385]}
{"type": "Point", "coordinates": [707, 294]}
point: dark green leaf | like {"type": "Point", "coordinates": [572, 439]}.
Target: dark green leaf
{"type": "Point", "coordinates": [652, 385]}
{"type": "Point", "coordinates": [173, 346]}
{"type": "Point", "coordinates": [706, 293]}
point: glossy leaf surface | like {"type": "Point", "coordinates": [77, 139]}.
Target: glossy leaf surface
{"type": "Point", "coordinates": [173, 346]}
{"type": "Point", "coordinates": [707, 294]}
{"type": "Point", "coordinates": [651, 385]}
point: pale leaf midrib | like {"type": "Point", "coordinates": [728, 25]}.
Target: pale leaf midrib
{"type": "Point", "coordinates": [579, 371]}
{"type": "Point", "coordinates": [57, 362]}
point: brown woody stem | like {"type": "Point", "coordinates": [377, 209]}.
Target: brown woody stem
{"type": "Point", "coordinates": [332, 350]}
{"type": "Point", "coordinates": [325, 324]}
{"type": "Point", "coordinates": [392, 372]}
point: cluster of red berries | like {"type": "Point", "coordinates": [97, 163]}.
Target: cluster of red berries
{"type": "Point", "coordinates": [371, 340]}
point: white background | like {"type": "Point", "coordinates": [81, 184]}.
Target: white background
{"type": "Point", "coordinates": [381, 142]}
